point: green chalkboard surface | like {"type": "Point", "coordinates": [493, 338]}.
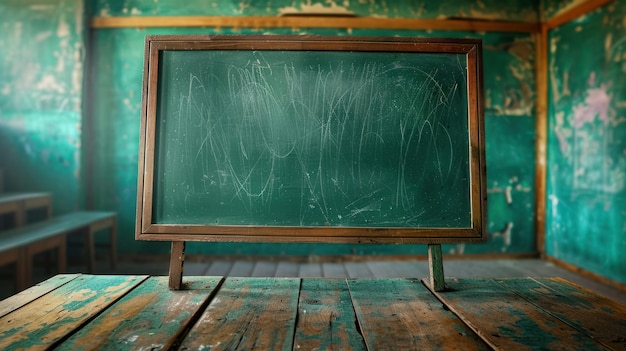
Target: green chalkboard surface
{"type": "Point", "coordinates": [311, 139]}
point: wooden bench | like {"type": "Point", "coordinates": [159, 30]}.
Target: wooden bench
{"type": "Point", "coordinates": [139, 312]}
{"type": "Point", "coordinates": [19, 245]}
{"type": "Point", "coordinates": [19, 204]}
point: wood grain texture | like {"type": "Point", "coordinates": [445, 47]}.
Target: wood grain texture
{"type": "Point", "coordinates": [55, 315]}
{"type": "Point", "coordinates": [311, 22]}
{"type": "Point", "coordinates": [326, 319]}
{"type": "Point", "coordinates": [177, 262]}
{"type": "Point", "coordinates": [246, 314]}
{"type": "Point", "coordinates": [403, 313]}
{"type": "Point", "coordinates": [149, 316]}
{"type": "Point", "coordinates": [16, 301]}
{"type": "Point", "coordinates": [541, 141]}
{"type": "Point", "coordinates": [598, 317]}
{"type": "Point", "coordinates": [507, 321]}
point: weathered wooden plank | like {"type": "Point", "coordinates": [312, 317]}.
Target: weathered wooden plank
{"type": "Point", "coordinates": [15, 302]}
{"type": "Point", "coordinates": [506, 321]}
{"type": "Point", "coordinates": [149, 317]}
{"type": "Point", "coordinates": [598, 317]}
{"type": "Point", "coordinates": [326, 318]}
{"type": "Point", "coordinates": [401, 314]}
{"type": "Point", "coordinates": [246, 314]}
{"type": "Point", "coordinates": [50, 318]}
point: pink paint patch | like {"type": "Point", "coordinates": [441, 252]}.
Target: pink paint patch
{"type": "Point", "coordinates": [596, 104]}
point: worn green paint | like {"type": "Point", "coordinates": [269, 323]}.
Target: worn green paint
{"type": "Point", "coordinates": [16, 301]}
{"type": "Point", "coordinates": [248, 313]}
{"type": "Point", "coordinates": [151, 315]}
{"type": "Point", "coordinates": [404, 313]}
{"type": "Point", "coordinates": [508, 321]}
{"type": "Point", "coordinates": [551, 8]}
{"type": "Point", "coordinates": [41, 71]}
{"type": "Point", "coordinates": [598, 317]}
{"type": "Point", "coordinates": [586, 195]}
{"type": "Point", "coordinates": [514, 10]}
{"type": "Point", "coordinates": [59, 312]}
{"type": "Point", "coordinates": [326, 319]}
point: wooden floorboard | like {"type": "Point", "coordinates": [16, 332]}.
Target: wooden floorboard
{"type": "Point", "coordinates": [326, 319]}
{"type": "Point", "coordinates": [599, 318]}
{"type": "Point", "coordinates": [287, 269]}
{"type": "Point", "coordinates": [164, 315]}
{"type": "Point", "coordinates": [358, 270]}
{"type": "Point", "coordinates": [310, 270]}
{"type": "Point", "coordinates": [334, 270]}
{"type": "Point", "coordinates": [508, 321]}
{"type": "Point", "coordinates": [403, 313]}
{"type": "Point", "coordinates": [62, 310]}
{"type": "Point", "coordinates": [264, 269]}
{"type": "Point", "coordinates": [247, 314]}
{"type": "Point", "coordinates": [112, 312]}
{"type": "Point", "coordinates": [241, 269]}
{"type": "Point", "coordinates": [218, 268]}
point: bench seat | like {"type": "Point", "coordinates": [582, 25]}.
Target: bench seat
{"type": "Point", "coordinates": [19, 203]}
{"type": "Point", "coordinates": [19, 245]}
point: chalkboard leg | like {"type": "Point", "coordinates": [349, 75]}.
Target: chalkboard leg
{"type": "Point", "coordinates": [435, 264]}
{"type": "Point", "coordinates": [177, 260]}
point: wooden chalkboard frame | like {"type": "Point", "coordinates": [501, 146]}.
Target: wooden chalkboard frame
{"type": "Point", "coordinates": [146, 229]}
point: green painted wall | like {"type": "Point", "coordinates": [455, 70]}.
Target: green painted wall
{"type": "Point", "coordinates": [41, 87]}
{"type": "Point", "coordinates": [586, 217]}
{"type": "Point", "coordinates": [511, 10]}
{"type": "Point", "coordinates": [509, 84]}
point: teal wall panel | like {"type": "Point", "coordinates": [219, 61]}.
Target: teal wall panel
{"type": "Point", "coordinates": [586, 217]}
{"type": "Point", "coordinates": [509, 85]}
{"type": "Point", "coordinates": [41, 72]}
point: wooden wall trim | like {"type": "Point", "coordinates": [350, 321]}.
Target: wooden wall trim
{"type": "Point", "coordinates": [575, 12]}
{"type": "Point", "coordinates": [541, 141]}
{"type": "Point", "coordinates": [587, 274]}
{"type": "Point", "coordinates": [313, 22]}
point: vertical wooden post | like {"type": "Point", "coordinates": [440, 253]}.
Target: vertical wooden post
{"type": "Point", "coordinates": [177, 260]}
{"type": "Point", "coordinates": [435, 265]}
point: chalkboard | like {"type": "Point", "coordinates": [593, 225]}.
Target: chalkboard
{"type": "Point", "coordinates": [289, 138]}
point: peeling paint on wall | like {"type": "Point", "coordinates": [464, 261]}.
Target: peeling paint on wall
{"type": "Point", "coordinates": [41, 98]}
{"type": "Point", "coordinates": [586, 225]}
{"type": "Point", "coordinates": [512, 10]}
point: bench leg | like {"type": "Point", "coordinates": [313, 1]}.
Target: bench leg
{"type": "Point", "coordinates": [23, 270]}
{"type": "Point", "coordinates": [113, 243]}
{"type": "Point", "coordinates": [435, 265]}
{"type": "Point", "coordinates": [62, 250]}
{"type": "Point", "coordinates": [177, 260]}
{"type": "Point", "coordinates": [90, 247]}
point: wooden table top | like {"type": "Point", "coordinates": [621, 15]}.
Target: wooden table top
{"type": "Point", "coordinates": [74, 311]}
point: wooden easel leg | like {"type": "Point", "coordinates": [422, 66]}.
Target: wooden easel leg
{"type": "Point", "coordinates": [177, 260]}
{"type": "Point", "coordinates": [435, 265]}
